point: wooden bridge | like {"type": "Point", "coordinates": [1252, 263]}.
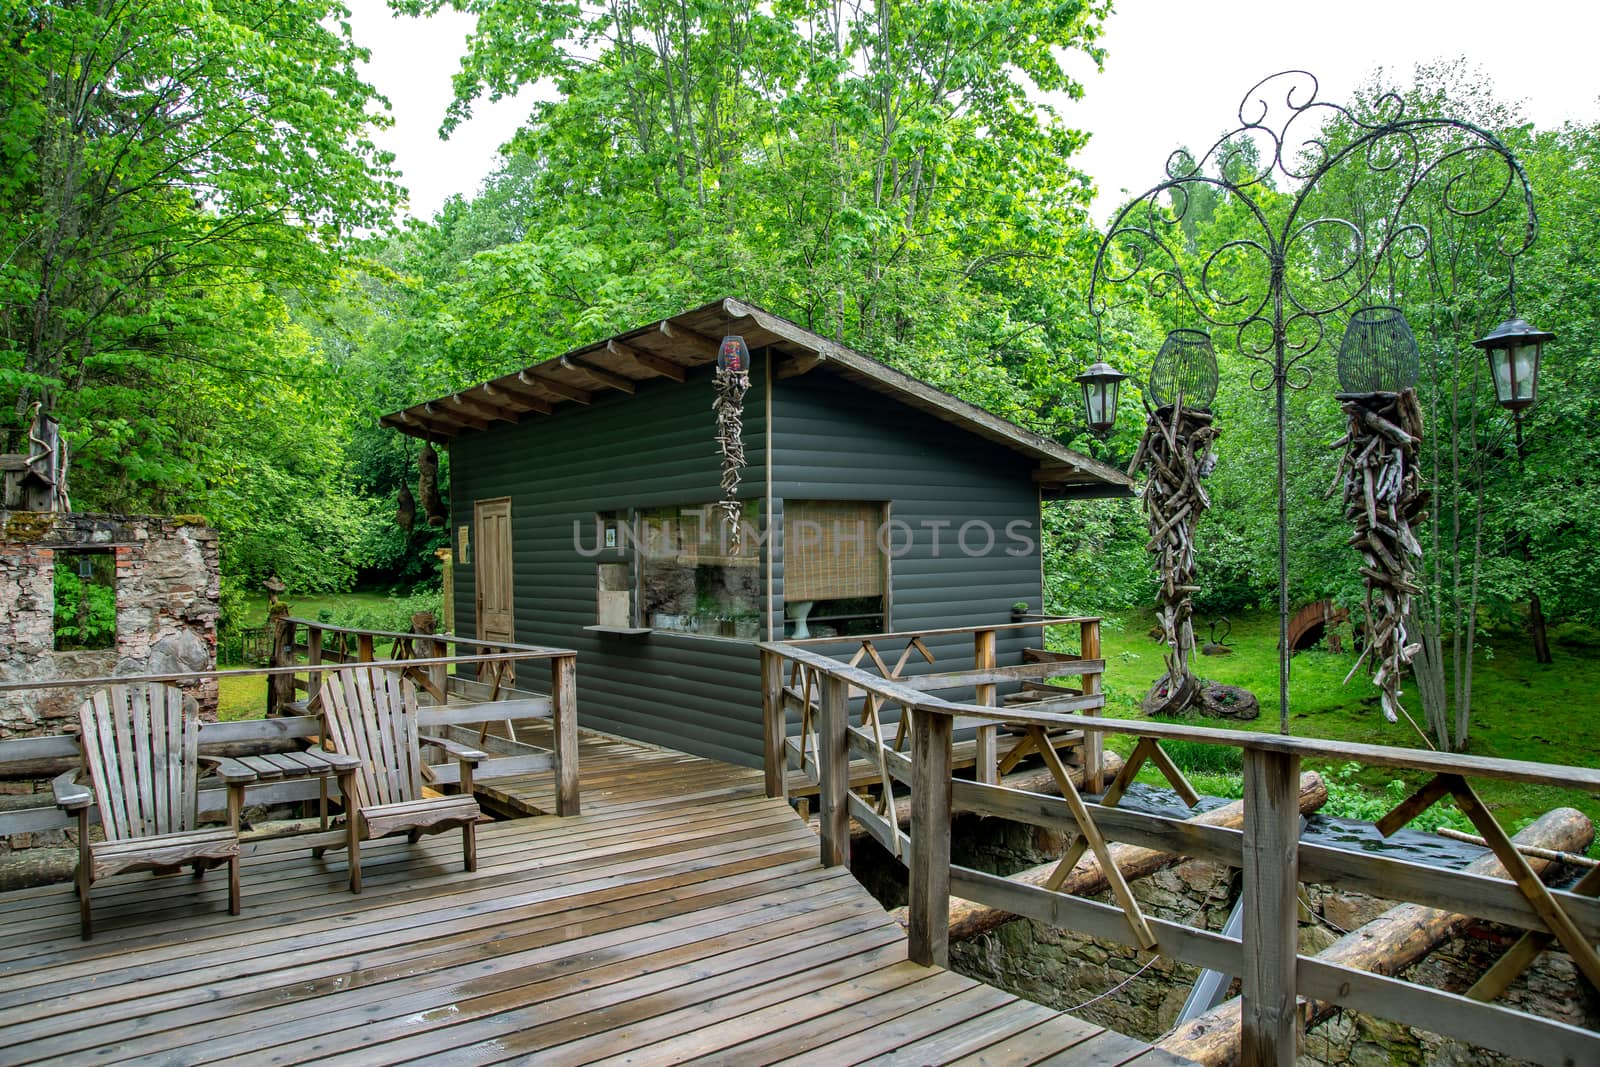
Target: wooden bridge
{"type": "Point", "coordinates": [685, 916]}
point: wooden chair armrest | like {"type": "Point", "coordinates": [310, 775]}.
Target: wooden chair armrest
{"type": "Point", "coordinates": [460, 752]}
{"type": "Point", "coordinates": [337, 760]}
{"type": "Point", "coordinates": [230, 771]}
{"type": "Point", "coordinates": [71, 794]}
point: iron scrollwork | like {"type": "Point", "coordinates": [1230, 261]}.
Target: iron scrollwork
{"type": "Point", "coordinates": [1298, 268]}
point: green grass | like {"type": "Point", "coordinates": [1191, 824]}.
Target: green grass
{"type": "Point", "coordinates": [1521, 710]}
{"type": "Point", "coordinates": [245, 698]}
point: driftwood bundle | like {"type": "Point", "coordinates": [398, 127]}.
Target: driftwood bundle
{"type": "Point", "coordinates": [1384, 499]}
{"type": "Point", "coordinates": [428, 485]}
{"type": "Point", "coordinates": [405, 512]}
{"type": "Point", "coordinates": [730, 386]}
{"type": "Point", "coordinates": [1177, 453]}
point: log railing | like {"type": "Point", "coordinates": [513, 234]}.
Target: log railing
{"type": "Point", "coordinates": [1280, 988]}
{"type": "Point", "coordinates": [295, 724]}
{"type": "Point", "coordinates": [800, 689]}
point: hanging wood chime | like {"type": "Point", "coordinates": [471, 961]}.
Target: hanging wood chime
{"type": "Point", "coordinates": [730, 383]}
{"type": "Point", "coordinates": [1177, 453]}
{"type": "Point", "coordinates": [428, 485]}
{"type": "Point", "coordinates": [405, 514]}
{"type": "Point", "coordinates": [1382, 485]}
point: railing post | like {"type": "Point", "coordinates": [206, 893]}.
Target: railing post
{"type": "Point", "coordinates": [364, 651]}
{"type": "Point", "coordinates": [774, 725]}
{"type": "Point", "coordinates": [1093, 741]}
{"type": "Point", "coordinates": [280, 687]}
{"type": "Point", "coordinates": [426, 646]}
{"type": "Point", "coordinates": [1271, 1026]}
{"type": "Point", "coordinates": [931, 793]}
{"type": "Point", "coordinates": [313, 658]}
{"type": "Point", "coordinates": [564, 718]}
{"type": "Point", "coordinates": [833, 771]}
{"type": "Point", "coordinates": [988, 757]}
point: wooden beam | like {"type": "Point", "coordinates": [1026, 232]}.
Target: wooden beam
{"type": "Point", "coordinates": [448, 415]}
{"type": "Point", "coordinates": [695, 341]}
{"type": "Point", "coordinates": [561, 389]}
{"type": "Point", "coordinates": [521, 397]}
{"type": "Point", "coordinates": [484, 407]}
{"type": "Point", "coordinates": [833, 772]}
{"type": "Point", "coordinates": [599, 374]}
{"type": "Point", "coordinates": [434, 431]}
{"type": "Point", "coordinates": [928, 903]}
{"type": "Point", "coordinates": [1270, 1024]}
{"type": "Point", "coordinates": [666, 368]}
{"type": "Point", "coordinates": [799, 365]}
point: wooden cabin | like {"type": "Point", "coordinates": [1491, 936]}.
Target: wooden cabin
{"type": "Point", "coordinates": [582, 493]}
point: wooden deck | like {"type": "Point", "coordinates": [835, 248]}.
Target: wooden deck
{"type": "Point", "coordinates": [702, 930]}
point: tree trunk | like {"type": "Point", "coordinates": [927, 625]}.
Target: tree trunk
{"type": "Point", "coordinates": [1541, 639]}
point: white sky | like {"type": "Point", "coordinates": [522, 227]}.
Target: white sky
{"type": "Point", "coordinates": [1174, 75]}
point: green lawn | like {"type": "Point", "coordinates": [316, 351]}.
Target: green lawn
{"type": "Point", "coordinates": [1522, 710]}
{"type": "Point", "coordinates": [245, 698]}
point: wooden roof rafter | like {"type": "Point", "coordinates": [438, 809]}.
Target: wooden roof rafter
{"type": "Point", "coordinates": [553, 385]}
{"type": "Point", "coordinates": [659, 365]}
{"type": "Point", "coordinates": [515, 395]}
{"type": "Point", "coordinates": [436, 410]}
{"type": "Point", "coordinates": [484, 407]}
{"type": "Point", "coordinates": [600, 374]}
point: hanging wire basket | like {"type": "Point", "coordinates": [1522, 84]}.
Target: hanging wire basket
{"type": "Point", "coordinates": [1186, 368]}
{"type": "Point", "coordinates": [1379, 352]}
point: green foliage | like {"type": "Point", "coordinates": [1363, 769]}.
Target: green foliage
{"type": "Point", "coordinates": [1194, 757]}
{"type": "Point", "coordinates": [85, 612]}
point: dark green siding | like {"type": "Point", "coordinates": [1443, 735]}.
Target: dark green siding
{"type": "Point", "coordinates": [833, 441]}
{"type": "Point", "coordinates": [651, 449]}
{"type": "Point", "coordinates": [836, 441]}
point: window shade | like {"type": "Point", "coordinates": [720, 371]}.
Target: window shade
{"type": "Point", "coordinates": [830, 550]}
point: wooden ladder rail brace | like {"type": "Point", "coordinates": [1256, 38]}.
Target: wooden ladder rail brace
{"type": "Point", "coordinates": [1275, 979]}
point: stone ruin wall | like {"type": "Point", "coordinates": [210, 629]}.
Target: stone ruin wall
{"type": "Point", "coordinates": [168, 600]}
{"type": "Point", "coordinates": [1077, 974]}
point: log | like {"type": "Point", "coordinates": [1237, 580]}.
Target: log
{"type": "Point", "coordinates": [1038, 780]}
{"type": "Point", "coordinates": [1387, 945]}
{"type": "Point", "coordinates": [969, 919]}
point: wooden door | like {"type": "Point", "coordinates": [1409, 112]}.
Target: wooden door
{"type": "Point", "coordinates": [492, 570]}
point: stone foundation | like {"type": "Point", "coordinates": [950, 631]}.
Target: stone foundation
{"type": "Point", "coordinates": [167, 589]}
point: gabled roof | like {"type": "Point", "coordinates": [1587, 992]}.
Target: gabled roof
{"type": "Point", "coordinates": [672, 347]}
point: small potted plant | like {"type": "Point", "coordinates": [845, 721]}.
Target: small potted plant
{"type": "Point", "coordinates": [1019, 610]}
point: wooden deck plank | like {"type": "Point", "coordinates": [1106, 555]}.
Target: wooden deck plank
{"type": "Point", "coordinates": [764, 1035]}
{"type": "Point", "coordinates": [907, 1019]}
{"type": "Point", "coordinates": [683, 918]}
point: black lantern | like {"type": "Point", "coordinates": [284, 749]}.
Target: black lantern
{"type": "Point", "coordinates": [1379, 352]}
{"type": "Point", "coordinates": [1185, 369]}
{"type": "Point", "coordinates": [1100, 385]}
{"type": "Point", "coordinates": [1514, 348]}
{"type": "Point", "coordinates": [733, 355]}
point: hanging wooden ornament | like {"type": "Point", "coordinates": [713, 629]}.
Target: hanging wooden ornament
{"type": "Point", "coordinates": [428, 486]}
{"type": "Point", "coordinates": [730, 383]}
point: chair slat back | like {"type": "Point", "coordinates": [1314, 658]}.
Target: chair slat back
{"type": "Point", "coordinates": [372, 714]}
{"type": "Point", "coordinates": [141, 748]}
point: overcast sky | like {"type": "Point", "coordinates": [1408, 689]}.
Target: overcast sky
{"type": "Point", "coordinates": [1174, 75]}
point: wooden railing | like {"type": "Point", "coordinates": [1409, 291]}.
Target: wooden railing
{"type": "Point", "coordinates": [1268, 850]}
{"type": "Point", "coordinates": [295, 723]}
{"type": "Point", "coordinates": [801, 691]}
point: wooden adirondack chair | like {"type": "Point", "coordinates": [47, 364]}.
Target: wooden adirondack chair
{"type": "Point", "coordinates": [371, 713]}
{"type": "Point", "coordinates": [141, 763]}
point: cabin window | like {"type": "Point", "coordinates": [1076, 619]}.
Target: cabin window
{"type": "Point", "coordinates": [85, 601]}
{"type": "Point", "coordinates": [835, 568]}
{"type": "Point", "coordinates": [692, 581]}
